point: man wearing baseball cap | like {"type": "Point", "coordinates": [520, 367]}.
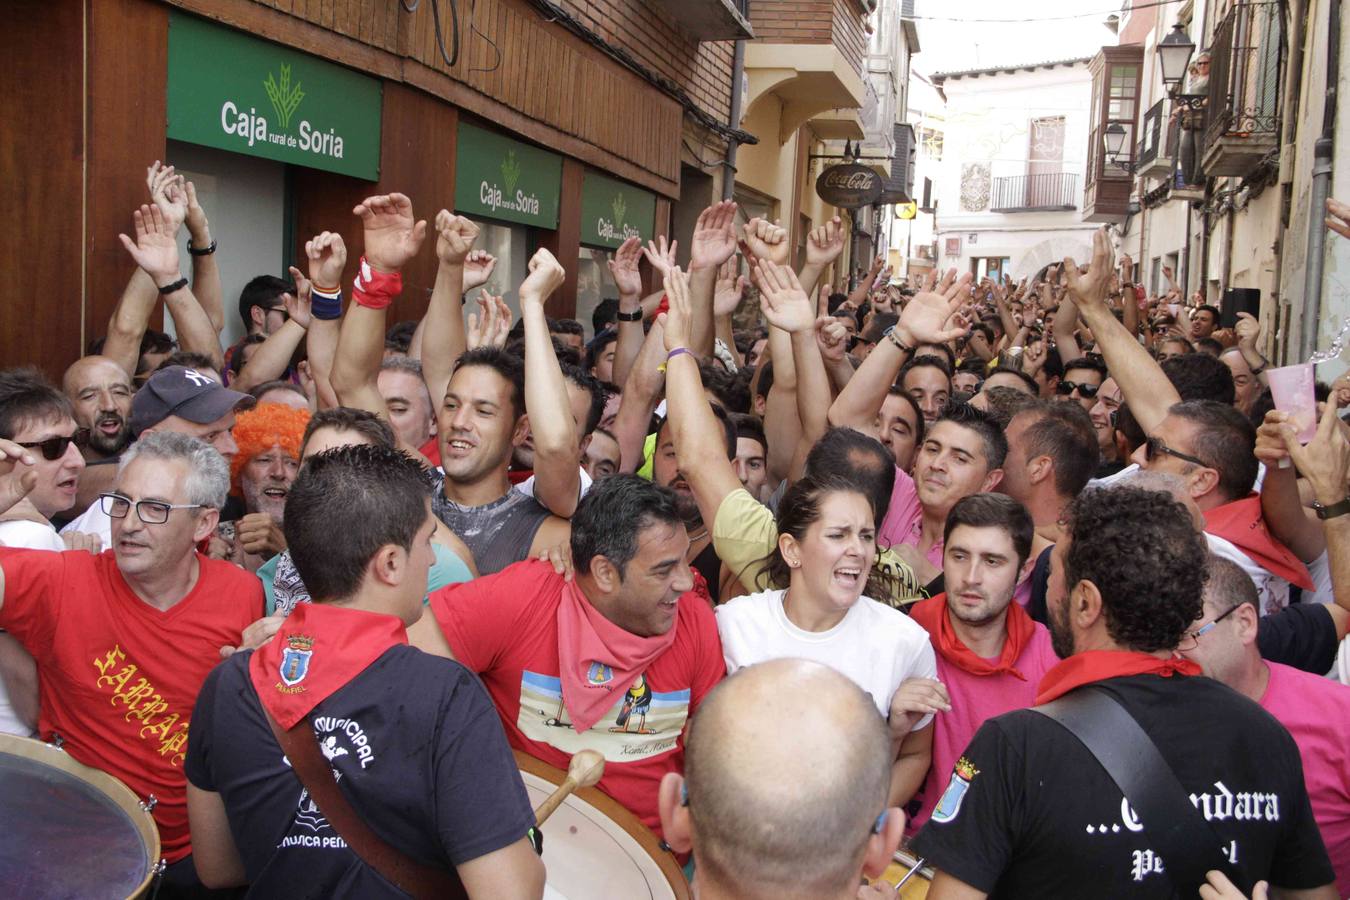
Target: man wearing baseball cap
{"type": "Point", "coordinates": [183, 401]}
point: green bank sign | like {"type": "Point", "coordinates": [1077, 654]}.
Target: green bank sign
{"type": "Point", "coordinates": [503, 179]}
{"type": "Point", "coordinates": [612, 211]}
{"type": "Point", "coordinates": [235, 92]}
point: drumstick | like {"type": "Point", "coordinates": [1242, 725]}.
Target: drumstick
{"type": "Point", "coordinates": [918, 864]}
{"type": "Point", "coordinates": [584, 770]}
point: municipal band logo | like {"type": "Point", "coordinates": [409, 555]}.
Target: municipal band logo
{"type": "Point", "coordinates": [963, 774]}
{"type": "Point", "coordinates": [295, 659]}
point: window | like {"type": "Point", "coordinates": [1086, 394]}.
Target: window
{"type": "Point", "coordinates": [511, 245]}
{"type": "Point", "coordinates": [989, 266]}
{"type": "Point", "coordinates": [594, 283]}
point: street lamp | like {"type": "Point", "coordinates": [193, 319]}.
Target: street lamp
{"type": "Point", "coordinates": [1174, 54]}
{"type": "Point", "coordinates": [1114, 139]}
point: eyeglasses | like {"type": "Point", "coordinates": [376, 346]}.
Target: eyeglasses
{"type": "Point", "coordinates": [285, 316]}
{"type": "Point", "coordinates": [1153, 446]}
{"type": "Point", "coordinates": [151, 512]}
{"type": "Point", "coordinates": [53, 448]}
{"type": "Point", "coordinates": [1191, 639]}
{"type": "Point", "coordinates": [1089, 391]}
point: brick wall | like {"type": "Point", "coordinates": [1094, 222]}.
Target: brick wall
{"type": "Point", "coordinates": [812, 22]}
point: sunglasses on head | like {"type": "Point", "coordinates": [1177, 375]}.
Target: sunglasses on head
{"type": "Point", "coordinates": [53, 448]}
{"type": "Point", "coordinates": [1086, 390]}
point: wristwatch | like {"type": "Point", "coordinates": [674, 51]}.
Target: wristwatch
{"type": "Point", "coordinates": [1332, 511]}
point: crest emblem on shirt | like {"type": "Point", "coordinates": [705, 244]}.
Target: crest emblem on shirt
{"type": "Point", "coordinates": [295, 659]}
{"type": "Point", "coordinates": [599, 674]}
{"type": "Point", "coordinates": [963, 773]}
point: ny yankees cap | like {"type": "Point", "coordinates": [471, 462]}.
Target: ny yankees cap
{"type": "Point", "coordinates": [180, 391]}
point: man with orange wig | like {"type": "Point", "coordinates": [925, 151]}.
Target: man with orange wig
{"type": "Point", "coordinates": [269, 437]}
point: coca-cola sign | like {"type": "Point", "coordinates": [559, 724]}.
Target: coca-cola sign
{"type": "Point", "coordinates": [849, 186]}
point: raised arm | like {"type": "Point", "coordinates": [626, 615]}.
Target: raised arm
{"type": "Point", "coordinates": [787, 307]}
{"type": "Point", "coordinates": [694, 429]}
{"type": "Point", "coordinates": [1066, 324]}
{"type": "Point", "coordinates": [823, 246]}
{"type": "Point", "coordinates": [1145, 388]}
{"type": "Point", "coordinates": [1326, 464]}
{"type": "Point", "coordinates": [442, 339]}
{"type": "Point", "coordinates": [205, 272]}
{"type": "Point", "coordinates": [126, 327]}
{"type": "Point", "coordinates": [392, 237]}
{"type": "Point", "coordinates": [327, 255]}
{"type": "Point", "coordinates": [930, 317]}
{"type": "Point", "coordinates": [641, 394]}
{"type": "Point", "coordinates": [623, 267]}
{"type": "Point", "coordinates": [557, 449]}
{"type": "Point", "coordinates": [765, 242]}
{"type": "Point", "coordinates": [712, 244]}
{"type": "Point", "coordinates": [727, 296]}
{"type": "Point", "coordinates": [859, 293]}
{"type": "Point", "coordinates": [273, 356]}
{"type": "Point", "coordinates": [1281, 506]}
{"type": "Point", "coordinates": [156, 252]}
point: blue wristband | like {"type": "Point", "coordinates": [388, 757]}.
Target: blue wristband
{"type": "Point", "coordinates": [326, 306]}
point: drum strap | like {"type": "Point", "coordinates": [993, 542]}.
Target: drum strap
{"type": "Point", "coordinates": [1187, 842]}
{"type": "Point", "coordinates": [307, 761]}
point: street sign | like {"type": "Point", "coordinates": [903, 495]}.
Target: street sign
{"type": "Point", "coordinates": [907, 210]}
{"type": "Point", "coordinates": [849, 186]}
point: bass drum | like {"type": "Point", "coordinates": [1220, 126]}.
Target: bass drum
{"type": "Point", "coordinates": [915, 885]}
{"type": "Point", "coordinates": [70, 831]}
{"type": "Point", "coordinates": [595, 849]}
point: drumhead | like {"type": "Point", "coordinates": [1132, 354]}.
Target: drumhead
{"type": "Point", "coordinates": [56, 811]}
{"type": "Point", "coordinates": [594, 849]}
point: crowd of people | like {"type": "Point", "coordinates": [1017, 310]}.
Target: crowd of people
{"type": "Point", "coordinates": [818, 573]}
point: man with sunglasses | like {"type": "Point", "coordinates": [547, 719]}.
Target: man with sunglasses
{"type": "Point", "coordinates": [1082, 379]}
{"type": "Point", "coordinates": [1314, 709]}
{"type": "Point", "coordinates": [123, 640]}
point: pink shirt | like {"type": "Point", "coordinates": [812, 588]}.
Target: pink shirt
{"type": "Point", "coordinates": [976, 698]}
{"type": "Point", "coordinates": [1316, 711]}
{"type": "Point", "coordinates": [904, 519]}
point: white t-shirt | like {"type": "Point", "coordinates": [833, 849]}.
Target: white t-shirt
{"type": "Point", "coordinates": [29, 536]}
{"type": "Point", "coordinates": [875, 646]}
{"type": "Point", "coordinates": [1272, 591]}
{"type": "Point", "coordinates": [526, 487]}
{"type": "Point", "coordinates": [93, 521]}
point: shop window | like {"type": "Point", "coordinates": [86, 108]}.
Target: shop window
{"type": "Point", "coordinates": [991, 267]}
{"type": "Point", "coordinates": [594, 284]}
{"type": "Point", "coordinates": [512, 246]}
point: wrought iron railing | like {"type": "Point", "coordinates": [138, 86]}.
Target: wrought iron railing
{"type": "Point", "coordinates": [1151, 134]}
{"type": "Point", "coordinates": [1244, 73]}
{"type": "Point", "coordinates": [1053, 190]}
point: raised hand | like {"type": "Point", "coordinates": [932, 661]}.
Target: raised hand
{"type": "Point", "coordinates": [298, 304]}
{"type": "Point", "coordinates": [546, 276]}
{"type": "Point", "coordinates": [931, 316]}
{"type": "Point", "coordinates": [454, 238]}
{"type": "Point", "coordinates": [1338, 217]}
{"type": "Point", "coordinates": [781, 298]}
{"type": "Point", "coordinates": [478, 266]}
{"type": "Point", "coordinates": [714, 238]}
{"type": "Point", "coordinates": [1248, 330]}
{"type": "Point", "coordinates": [18, 473]}
{"type": "Point", "coordinates": [327, 255]}
{"type": "Point", "coordinates": [831, 338]}
{"type": "Point", "coordinates": [623, 267]}
{"type": "Point", "coordinates": [197, 225]}
{"type": "Point", "coordinates": [1091, 288]}
{"type": "Point", "coordinates": [392, 235]}
{"type": "Point", "coordinates": [660, 255]}
{"type": "Point", "coordinates": [766, 241]}
{"type": "Point", "coordinates": [491, 325]}
{"type": "Point", "coordinates": [729, 289]}
{"type": "Point", "coordinates": [166, 192]}
{"type": "Point", "coordinates": [678, 320]}
{"type": "Point", "coordinates": [825, 243]}
{"type": "Point", "coordinates": [1325, 462]}
{"type": "Point", "coordinates": [155, 249]}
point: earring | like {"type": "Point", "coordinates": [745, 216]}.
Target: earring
{"type": "Point", "coordinates": [684, 795]}
{"type": "Point", "coordinates": [880, 824]}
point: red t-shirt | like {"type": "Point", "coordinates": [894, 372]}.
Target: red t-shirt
{"type": "Point", "coordinates": [118, 678]}
{"type": "Point", "coordinates": [505, 628]}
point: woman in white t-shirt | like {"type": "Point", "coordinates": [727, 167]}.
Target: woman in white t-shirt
{"type": "Point", "coordinates": [826, 547]}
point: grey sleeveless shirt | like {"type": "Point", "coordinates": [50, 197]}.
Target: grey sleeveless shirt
{"type": "Point", "coordinates": [498, 533]}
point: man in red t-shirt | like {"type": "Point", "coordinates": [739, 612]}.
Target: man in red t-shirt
{"type": "Point", "coordinates": [1313, 709]}
{"type": "Point", "coordinates": [990, 654]}
{"type": "Point", "coordinates": [616, 660]}
{"type": "Point", "coordinates": [124, 640]}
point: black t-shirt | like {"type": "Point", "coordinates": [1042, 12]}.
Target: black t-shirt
{"type": "Point", "coordinates": [420, 755]}
{"type": "Point", "coordinates": [1302, 635]}
{"type": "Point", "coordinates": [709, 566]}
{"type": "Point", "coordinates": [1031, 813]}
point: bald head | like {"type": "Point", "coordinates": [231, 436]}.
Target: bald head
{"type": "Point", "coordinates": [787, 765]}
{"type": "Point", "coordinates": [100, 391]}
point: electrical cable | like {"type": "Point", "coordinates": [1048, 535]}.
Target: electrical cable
{"type": "Point", "coordinates": [1083, 15]}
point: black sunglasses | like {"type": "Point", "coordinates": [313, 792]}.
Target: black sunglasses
{"type": "Point", "coordinates": [53, 448]}
{"type": "Point", "coordinates": [1153, 446]}
{"type": "Point", "coordinates": [1066, 388]}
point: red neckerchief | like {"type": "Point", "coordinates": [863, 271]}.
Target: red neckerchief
{"type": "Point", "coordinates": [519, 476]}
{"type": "Point", "coordinates": [597, 660]}
{"type": "Point", "coordinates": [317, 651]}
{"type": "Point", "coordinates": [431, 450]}
{"type": "Point", "coordinates": [932, 614]}
{"type": "Point", "coordinates": [1099, 665]}
{"type": "Point", "coordinates": [1241, 523]}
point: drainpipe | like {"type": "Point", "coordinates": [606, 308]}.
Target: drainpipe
{"type": "Point", "coordinates": [737, 79]}
{"type": "Point", "coordinates": [1321, 188]}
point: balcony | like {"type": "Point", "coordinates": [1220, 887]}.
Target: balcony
{"type": "Point", "coordinates": [1045, 192]}
{"type": "Point", "coordinates": [1155, 156]}
{"type": "Point", "coordinates": [709, 20]}
{"type": "Point", "coordinates": [1116, 77]}
{"type": "Point", "coordinates": [1244, 90]}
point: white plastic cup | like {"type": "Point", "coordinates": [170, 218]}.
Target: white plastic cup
{"type": "Point", "coordinates": [1292, 389]}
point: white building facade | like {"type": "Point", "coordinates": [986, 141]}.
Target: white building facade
{"type": "Point", "coordinates": [1010, 179]}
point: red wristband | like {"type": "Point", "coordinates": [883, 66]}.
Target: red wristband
{"type": "Point", "coordinates": [375, 290]}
